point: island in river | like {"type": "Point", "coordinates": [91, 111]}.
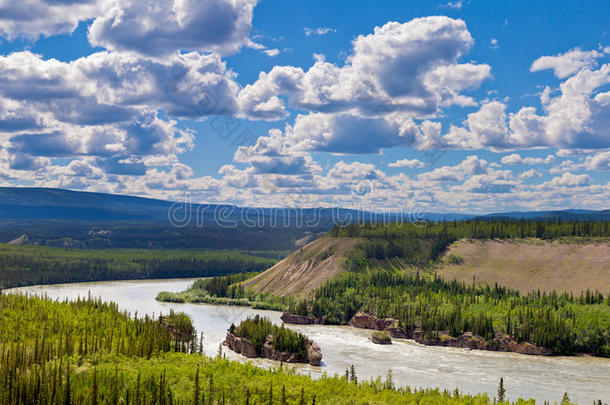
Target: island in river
{"type": "Point", "coordinates": [259, 337]}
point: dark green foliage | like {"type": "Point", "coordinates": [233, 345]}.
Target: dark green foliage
{"type": "Point", "coordinates": [561, 322]}
{"type": "Point", "coordinates": [27, 265]}
{"type": "Point", "coordinates": [227, 290]}
{"type": "Point", "coordinates": [475, 229]}
{"type": "Point", "coordinates": [223, 286]}
{"type": "Point", "coordinates": [181, 326]}
{"type": "Point", "coordinates": [382, 336]}
{"type": "Point", "coordinates": [501, 390]}
{"type": "Point", "coordinates": [258, 328]}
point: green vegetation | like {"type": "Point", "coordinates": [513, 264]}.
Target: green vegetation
{"type": "Point", "coordinates": [258, 328]}
{"type": "Point", "coordinates": [159, 234]}
{"type": "Point", "coordinates": [88, 352]}
{"type": "Point", "coordinates": [382, 336]}
{"type": "Point", "coordinates": [392, 274]}
{"type": "Point", "coordinates": [51, 351]}
{"type": "Point", "coordinates": [563, 323]}
{"type": "Point", "coordinates": [27, 265]}
{"type": "Point", "coordinates": [226, 290]}
{"type": "Point", "coordinates": [420, 244]}
{"type": "Point", "coordinates": [475, 229]}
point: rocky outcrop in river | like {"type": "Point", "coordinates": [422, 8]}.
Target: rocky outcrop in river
{"type": "Point", "coordinates": [243, 346]}
{"type": "Point", "coordinates": [501, 342]}
{"type": "Point", "coordinates": [302, 319]}
{"type": "Point", "coordinates": [390, 325]}
{"type": "Point", "coordinates": [381, 338]}
{"type": "Point", "coordinates": [240, 345]}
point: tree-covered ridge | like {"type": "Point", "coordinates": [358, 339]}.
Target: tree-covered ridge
{"type": "Point", "coordinates": [223, 286]}
{"type": "Point", "coordinates": [89, 352]}
{"type": "Point", "coordinates": [476, 229]}
{"type": "Point", "coordinates": [420, 243]}
{"type": "Point", "coordinates": [27, 265]}
{"type": "Point", "coordinates": [258, 328]}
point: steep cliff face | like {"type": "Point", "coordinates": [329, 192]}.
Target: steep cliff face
{"type": "Point", "coordinates": [305, 270]}
{"type": "Point", "coordinates": [240, 345]}
{"type": "Point", "coordinates": [312, 355]}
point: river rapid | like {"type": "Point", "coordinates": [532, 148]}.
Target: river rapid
{"type": "Point", "coordinates": [471, 371]}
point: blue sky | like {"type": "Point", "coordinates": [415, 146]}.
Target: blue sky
{"type": "Point", "coordinates": [448, 107]}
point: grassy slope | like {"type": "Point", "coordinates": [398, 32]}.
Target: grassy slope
{"type": "Point", "coordinates": [533, 264]}
{"type": "Point", "coordinates": [306, 269]}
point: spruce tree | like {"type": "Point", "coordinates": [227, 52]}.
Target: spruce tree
{"type": "Point", "coordinates": [501, 390]}
{"type": "Point", "coordinates": [352, 374]}
{"type": "Point", "coordinates": [196, 393]}
{"type": "Point", "coordinates": [94, 388]}
{"type": "Point", "coordinates": [67, 393]}
{"type": "Point", "coordinates": [270, 393]}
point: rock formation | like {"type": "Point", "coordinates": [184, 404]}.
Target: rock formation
{"type": "Point", "coordinates": [501, 342]}
{"type": "Point", "coordinates": [313, 354]}
{"type": "Point", "coordinates": [302, 319]}
{"type": "Point", "coordinates": [240, 345]}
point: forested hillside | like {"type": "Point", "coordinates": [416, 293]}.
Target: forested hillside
{"type": "Point", "coordinates": [379, 282]}
{"type": "Point", "coordinates": [130, 234]}
{"type": "Point", "coordinates": [391, 272]}
{"type": "Point", "coordinates": [27, 265]}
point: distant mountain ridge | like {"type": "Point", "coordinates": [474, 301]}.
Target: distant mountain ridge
{"type": "Point", "coordinates": [60, 204]}
{"type": "Point", "coordinates": [568, 214]}
{"type": "Point", "coordinates": [50, 203]}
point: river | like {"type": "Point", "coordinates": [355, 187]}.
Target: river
{"type": "Point", "coordinates": [471, 371]}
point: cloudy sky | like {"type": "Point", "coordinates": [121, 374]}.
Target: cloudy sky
{"type": "Point", "coordinates": [465, 106]}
